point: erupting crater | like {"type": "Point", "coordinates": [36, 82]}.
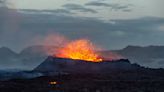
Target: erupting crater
{"type": "Point", "coordinates": [81, 49]}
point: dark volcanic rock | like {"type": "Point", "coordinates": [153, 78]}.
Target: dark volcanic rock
{"type": "Point", "coordinates": [60, 65]}
{"type": "Point", "coordinates": [81, 83]}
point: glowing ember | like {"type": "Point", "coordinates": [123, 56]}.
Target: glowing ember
{"type": "Point", "coordinates": [53, 82]}
{"type": "Point", "coordinates": [79, 49]}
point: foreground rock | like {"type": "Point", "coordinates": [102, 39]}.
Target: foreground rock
{"type": "Point", "coordinates": [83, 83]}
{"type": "Point", "coordinates": [67, 75]}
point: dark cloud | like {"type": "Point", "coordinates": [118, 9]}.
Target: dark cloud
{"type": "Point", "coordinates": [117, 7]}
{"type": "Point", "coordinates": [114, 6]}
{"type": "Point", "coordinates": [56, 11]}
{"type": "Point", "coordinates": [77, 7]}
{"type": "Point", "coordinates": [94, 3]}
{"type": "Point", "coordinates": [113, 34]}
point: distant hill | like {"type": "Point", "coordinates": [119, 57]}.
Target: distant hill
{"type": "Point", "coordinates": [30, 57]}
{"type": "Point", "coordinates": [8, 58]}
{"type": "Point", "coordinates": [27, 59]}
{"type": "Point", "coordinates": [150, 56]}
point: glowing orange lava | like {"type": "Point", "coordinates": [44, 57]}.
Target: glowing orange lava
{"type": "Point", "coordinates": [79, 49]}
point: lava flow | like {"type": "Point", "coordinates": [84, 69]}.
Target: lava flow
{"type": "Point", "coordinates": [79, 49]}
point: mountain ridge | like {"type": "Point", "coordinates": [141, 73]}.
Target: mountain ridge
{"type": "Point", "coordinates": [30, 57]}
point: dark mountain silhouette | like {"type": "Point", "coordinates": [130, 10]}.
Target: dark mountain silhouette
{"type": "Point", "coordinates": [121, 69]}
{"type": "Point", "coordinates": [150, 56]}
{"type": "Point", "coordinates": [28, 58]}
{"type": "Point", "coordinates": [32, 56]}
{"type": "Point", "coordinates": [7, 57]}
{"type": "Point", "coordinates": [6, 52]}
{"type": "Point", "coordinates": [59, 65]}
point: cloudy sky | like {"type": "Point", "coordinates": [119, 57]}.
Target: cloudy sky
{"type": "Point", "coordinates": [113, 24]}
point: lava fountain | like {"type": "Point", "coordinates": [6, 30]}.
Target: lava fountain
{"type": "Point", "coordinates": [81, 49]}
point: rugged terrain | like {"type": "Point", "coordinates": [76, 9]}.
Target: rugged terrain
{"type": "Point", "coordinates": [67, 75]}
{"type": "Point", "coordinates": [84, 83]}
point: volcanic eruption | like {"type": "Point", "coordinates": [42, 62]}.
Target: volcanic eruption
{"type": "Point", "coordinates": [81, 56]}
{"type": "Point", "coordinates": [81, 49]}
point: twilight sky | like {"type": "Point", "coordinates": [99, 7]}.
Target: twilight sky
{"type": "Point", "coordinates": [113, 24]}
